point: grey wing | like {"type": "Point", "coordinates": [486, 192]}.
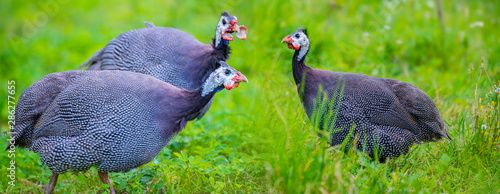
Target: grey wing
{"type": "Point", "coordinates": [421, 108]}
{"type": "Point", "coordinates": [69, 115]}
{"type": "Point", "coordinates": [99, 101]}
{"type": "Point", "coordinates": [389, 112]}
{"type": "Point", "coordinates": [371, 98]}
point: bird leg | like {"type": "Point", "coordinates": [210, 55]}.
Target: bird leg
{"type": "Point", "coordinates": [105, 179]}
{"type": "Point", "coordinates": [52, 184]}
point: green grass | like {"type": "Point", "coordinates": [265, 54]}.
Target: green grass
{"type": "Point", "coordinates": [257, 138]}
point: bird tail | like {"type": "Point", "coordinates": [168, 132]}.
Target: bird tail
{"type": "Point", "coordinates": [8, 147]}
{"type": "Point", "coordinates": [445, 134]}
{"type": "Point", "coordinates": [34, 101]}
{"type": "Point", "coordinates": [94, 62]}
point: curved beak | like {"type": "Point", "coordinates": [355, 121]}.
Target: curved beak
{"type": "Point", "coordinates": [233, 26]}
{"type": "Point", "coordinates": [287, 39]}
{"type": "Point", "coordinates": [240, 77]}
{"type": "Point", "coordinates": [235, 82]}
{"type": "Point", "coordinates": [291, 44]}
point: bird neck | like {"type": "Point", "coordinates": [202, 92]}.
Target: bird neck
{"type": "Point", "coordinates": [200, 101]}
{"type": "Point", "coordinates": [221, 48]}
{"type": "Point", "coordinates": [298, 64]}
{"type": "Point", "coordinates": [302, 52]}
{"type": "Point", "coordinates": [218, 40]}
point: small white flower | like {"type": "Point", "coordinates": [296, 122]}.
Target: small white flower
{"type": "Point", "coordinates": [431, 4]}
{"type": "Point", "coordinates": [477, 24]}
{"type": "Point", "coordinates": [497, 90]}
{"type": "Point", "coordinates": [483, 127]}
{"type": "Point", "coordinates": [399, 41]}
{"type": "Point", "coordinates": [387, 27]}
{"type": "Point", "coordinates": [366, 34]}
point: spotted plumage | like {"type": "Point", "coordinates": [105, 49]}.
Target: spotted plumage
{"type": "Point", "coordinates": [168, 54]}
{"type": "Point", "coordinates": [386, 116]}
{"type": "Point", "coordinates": [115, 120]}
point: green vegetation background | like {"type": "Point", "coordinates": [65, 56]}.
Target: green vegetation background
{"type": "Point", "coordinates": [257, 138]}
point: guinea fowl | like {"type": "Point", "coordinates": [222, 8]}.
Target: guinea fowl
{"type": "Point", "coordinates": [115, 120]}
{"type": "Point", "coordinates": [386, 116]}
{"type": "Point", "coordinates": [169, 54]}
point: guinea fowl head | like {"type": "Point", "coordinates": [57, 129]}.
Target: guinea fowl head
{"type": "Point", "coordinates": [223, 77]}
{"type": "Point", "coordinates": [227, 25]}
{"type": "Point", "coordinates": [298, 41]}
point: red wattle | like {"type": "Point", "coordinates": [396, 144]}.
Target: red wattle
{"type": "Point", "coordinates": [225, 37]}
{"type": "Point", "coordinates": [229, 87]}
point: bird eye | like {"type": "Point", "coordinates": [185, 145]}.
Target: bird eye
{"type": "Point", "coordinates": [224, 22]}
{"type": "Point", "coordinates": [297, 35]}
{"type": "Point", "coordinates": [227, 72]}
